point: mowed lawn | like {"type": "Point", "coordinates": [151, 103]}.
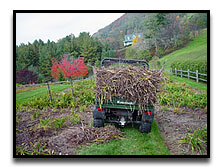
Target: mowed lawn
{"type": "Point", "coordinates": [24, 96]}
{"type": "Point", "coordinates": [133, 142]}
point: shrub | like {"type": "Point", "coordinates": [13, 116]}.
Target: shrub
{"type": "Point", "coordinates": [201, 66]}
{"type": "Point", "coordinates": [25, 76]}
{"type": "Point", "coordinates": [155, 63]}
{"type": "Point", "coordinates": [130, 53]}
{"type": "Point", "coordinates": [144, 54]}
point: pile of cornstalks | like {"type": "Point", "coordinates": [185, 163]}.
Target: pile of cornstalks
{"type": "Point", "coordinates": [133, 83]}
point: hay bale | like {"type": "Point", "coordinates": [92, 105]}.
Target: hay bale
{"type": "Point", "coordinates": [134, 83]}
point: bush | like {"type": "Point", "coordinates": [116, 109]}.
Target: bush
{"type": "Point", "coordinates": [144, 54]}
{"type": "Point", "coordinates": [25, 76]}
{"type": "Point", "coordinates": [130, 53]}
{"type": "Point", "coordinates": [155, 63]}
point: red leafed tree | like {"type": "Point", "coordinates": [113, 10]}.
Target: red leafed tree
{"type": "Point", "coordinates": [55, 70]}
{"type": "Point", "coordinates": [70, 68]}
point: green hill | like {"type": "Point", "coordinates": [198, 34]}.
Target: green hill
{"type": "Point", "coordinates": [195, 50]}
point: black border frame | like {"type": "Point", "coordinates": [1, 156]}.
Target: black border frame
{"type": "Point", "coordinates": [126, 157]}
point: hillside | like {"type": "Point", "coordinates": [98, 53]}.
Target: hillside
{"type": "Point", "coordinates": [127, 24]}
{"type": "Point", "coordinates": [194, 50]}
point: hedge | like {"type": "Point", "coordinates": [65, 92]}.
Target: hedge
{"type": "Point", "coordinates": [201, 66]}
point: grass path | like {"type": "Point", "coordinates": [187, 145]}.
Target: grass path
{"type": "Point", "coordinates": [133, 143]}
{"type": "Point", "coordinates": [24, 96]}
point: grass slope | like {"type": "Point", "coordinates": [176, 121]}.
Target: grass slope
{"type": "Point", "coordinates": [192, 83]}
{"type": "Point", "coordinates": [194, 50]}
{"type": "Point", "coordinates": [133, 143]}
{"type": "Point", "coordinates": [24, 96]}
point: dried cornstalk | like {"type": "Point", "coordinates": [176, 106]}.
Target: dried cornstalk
{"type": "Point", "coordinates": [133, 83]}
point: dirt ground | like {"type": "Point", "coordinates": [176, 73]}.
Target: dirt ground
{"type": "Point", "coordinates": [63, 141]}
{"type": "Point", "coordinates": [173, 125]}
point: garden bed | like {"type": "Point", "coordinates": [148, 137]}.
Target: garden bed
{"type": "Point", "coordinates": [35, 137]}
{"type": "Point", "coordinates": [175, 124]}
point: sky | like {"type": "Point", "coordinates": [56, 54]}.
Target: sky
{"type": "Point", "coordinates": [54, 26]}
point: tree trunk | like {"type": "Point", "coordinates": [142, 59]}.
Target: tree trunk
{"type": "Point", "coordinates": [157, 54]}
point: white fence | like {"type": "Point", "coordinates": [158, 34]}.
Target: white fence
{"type": "Point", "coordinates": [181, 72]}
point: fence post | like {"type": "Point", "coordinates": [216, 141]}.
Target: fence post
{"type": "Point", "coordinates": [188, 73]}
{"type": "Point", "coordinates": [176, 71]}
{"type": "Point", "coordinates": [171, 70]}
{"type": "Point", "coordinates": [71, 86]}
{"type": "Point", "coordinates": [197, 76]}
{"type": "Point", "coordinates": [49, 93]}
{"type": "Point", "coordinates": [181, 73]}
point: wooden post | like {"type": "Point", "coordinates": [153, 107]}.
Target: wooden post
{"type": "Point", "coordinates": [176, 71]}
{"type": "Point", "coordinates": [171, 70]}
{"type": "Point", "coordinates": [71, 86]}
{"type": "Point", "coordinates": [49, 93]}
{"type": "Point", "coordinates": [181, 74]}
{"type": "Point", "coordinates": [188, 73]}
{"type": "Point", "coordinates": [197, 76]}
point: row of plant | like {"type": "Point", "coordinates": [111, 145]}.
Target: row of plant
{"type": "Point", "coordinates": [196, 140]}
{"type": "Point", "coordinates": [178, 94]}
{"type": "Point", "coordinates": [175, 94]}
{"type": "Point", "coordinates": [84, 95]}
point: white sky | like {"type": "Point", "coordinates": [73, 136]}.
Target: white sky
{"type": "Point", "coordinates": [54, 26]}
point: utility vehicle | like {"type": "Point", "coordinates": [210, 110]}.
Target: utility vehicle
{"type": "Point", "coordinates": [123, 111]}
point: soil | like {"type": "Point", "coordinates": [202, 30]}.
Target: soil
{"type": "Point", "coordinates": [64, 140]}
{"type": "Point", "coordinates": [67, 139]}
{"type": "Point", "coordinates": [174, 125]}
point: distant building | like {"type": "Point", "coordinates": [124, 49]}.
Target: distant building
{"type": "Point", "coordinates": [129, 38]}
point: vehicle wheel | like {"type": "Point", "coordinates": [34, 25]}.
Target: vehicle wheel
{"type": "Point", "coordinates": [98, 123]}
{"type": "Point", "coordinates": [145, 127]}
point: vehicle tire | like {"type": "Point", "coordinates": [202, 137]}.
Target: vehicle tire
{"type": "Point", "coordinates": [98, 123]}
{"type": "Point", "coordinates": [145, 127]}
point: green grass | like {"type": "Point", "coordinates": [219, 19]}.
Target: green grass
{"type": "Point", "coordinates": [133, 143]}
{"type": "Point", "coordinates": [194, 50]}
{"type": "Point", "coordinates": [25, 96]}
{"type": "Point", "coordinates": [198, 85]}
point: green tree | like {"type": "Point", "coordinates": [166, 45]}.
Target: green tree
{"type": "Point", "coordinates": [45, 65]}
{"type": "Point", "coordinates": [107, 51]}
{"type": "Point", "coordinates": [154, 23]}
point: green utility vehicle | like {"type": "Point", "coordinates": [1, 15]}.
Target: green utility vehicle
{"type": "Point", "coordinates": [123, 111]}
